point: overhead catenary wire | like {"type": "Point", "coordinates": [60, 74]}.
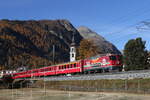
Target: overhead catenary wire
{"type": "Point", "coordinates": [117, 34]}
{"type": "Point", "coordinates": [125, 19]}
{"type": "Point", "coordinates": [131, 15]}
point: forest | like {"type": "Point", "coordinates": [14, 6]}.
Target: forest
{"type": "Point", "coordinates": [30, 43]}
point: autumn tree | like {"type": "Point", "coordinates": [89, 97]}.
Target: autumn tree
{"type": "Point", "coordinates": [135, 55]}
{"type": "Point", "coordinates": [87, 49]}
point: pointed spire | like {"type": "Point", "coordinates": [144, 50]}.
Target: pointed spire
{"type": "Point", "coordinates": [73, 40]}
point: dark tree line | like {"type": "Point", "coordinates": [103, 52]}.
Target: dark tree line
{"type": "Point", "coordinates": [135, 55]}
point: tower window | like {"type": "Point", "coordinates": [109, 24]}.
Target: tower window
{"type": "Point", "coordinates": [72, 55]}
{"type": "Point", "coordinates": [72, 49]}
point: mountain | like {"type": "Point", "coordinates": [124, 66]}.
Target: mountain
{"type": "Point", "coordinates": [30, 43]}
{"type": "Point", "coordinates": [103, 44]}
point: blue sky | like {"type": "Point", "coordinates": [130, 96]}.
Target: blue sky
{"type": "Point", "coordinates": [115, 20]}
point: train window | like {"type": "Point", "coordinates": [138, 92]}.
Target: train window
{"type": "Point", "coordinates": [112, 57]}
{"type": "Point", "coordinates": [75, 65]}
{"type": "Point", "coordinates": [59, 67]}
{"type": "Point", "coordinates": [70, 66]}
{"type": "Point", "coordinates": [64, 66]}
{"type": "Point", "coordinates": [35, 71]}
{"type": "Point", "coordinates": [45, 69]}
{"type": "Point", "coordinates": [42, 70]}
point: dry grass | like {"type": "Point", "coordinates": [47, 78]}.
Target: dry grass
{"type": "Point", "coordinates": [134, 85]}
{"type": "Point", "coordinates": [41, 94]}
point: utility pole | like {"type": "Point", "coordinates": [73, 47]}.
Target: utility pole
{"type": "Point", "coordinates": [53, 54]}
{"type": "Point", "coordinates": [9, 58]}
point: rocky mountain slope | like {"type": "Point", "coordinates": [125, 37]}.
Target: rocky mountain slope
{"type": "Point", "coordinates": [30, 43]}
{"type": "Point", "coordinates": [104, 45]}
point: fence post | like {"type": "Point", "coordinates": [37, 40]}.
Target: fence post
{"type": "Point", "coordinates": [114, 86]}
{"type": "Point", "coordinates": [44, 88]}
{"type": "Point", "coordinates": [104, 86]}
{"type": "Point", "coordinates": [138, 85]}
{"type": "Point", "coordinates": [126, 87]}
{"type": "Point", "coordinates": [96, 86]}
{"type": "Point", "coordinates": [12, 91]}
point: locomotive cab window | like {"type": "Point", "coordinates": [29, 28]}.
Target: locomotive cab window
{"type": "Point", "coordinates": [112, 57]}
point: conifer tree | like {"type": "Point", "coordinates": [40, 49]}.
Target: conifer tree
{"type": "Point", "coordinates": [135, 55]}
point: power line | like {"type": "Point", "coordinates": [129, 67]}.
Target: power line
{"type": "Point", "coordinates": [127, 16]}
{"type": "Point", "coordinates": [126, 19]}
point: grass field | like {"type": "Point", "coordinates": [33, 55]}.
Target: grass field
{"type": "Point", "coordinates": [47, 94]}
{"type": "Point", "coordinates": [133, 89]}
{"type": "Point", "coordinates": [132, 85]}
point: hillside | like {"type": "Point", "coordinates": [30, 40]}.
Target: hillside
{"type": "Point", "coordinates": [103, 44]}
{"type": "Point", "coordinates": [30, 43]}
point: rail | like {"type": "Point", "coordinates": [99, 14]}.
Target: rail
{"type": "Point", "coordinates": [97, 76]}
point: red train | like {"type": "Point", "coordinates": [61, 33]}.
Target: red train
{"type": "Point", "coordinates": [100, 63]}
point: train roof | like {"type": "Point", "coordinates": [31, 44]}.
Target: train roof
{"type": "Point", "coordinates": [101, 55]}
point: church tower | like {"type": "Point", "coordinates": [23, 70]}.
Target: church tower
{"type": "Point", "coordinates": [72, 50]}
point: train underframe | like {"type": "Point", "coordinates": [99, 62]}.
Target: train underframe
{"type": "Point", "coordinates": [104, 69]}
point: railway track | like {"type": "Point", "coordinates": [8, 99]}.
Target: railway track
{"type": "Point", "coordinates": [98, 76]}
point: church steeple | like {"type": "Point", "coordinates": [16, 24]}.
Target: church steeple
{"type": "Point", "coordinates": [72, 50]}
{"type": "Point", "coordinates": [73, 41]}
